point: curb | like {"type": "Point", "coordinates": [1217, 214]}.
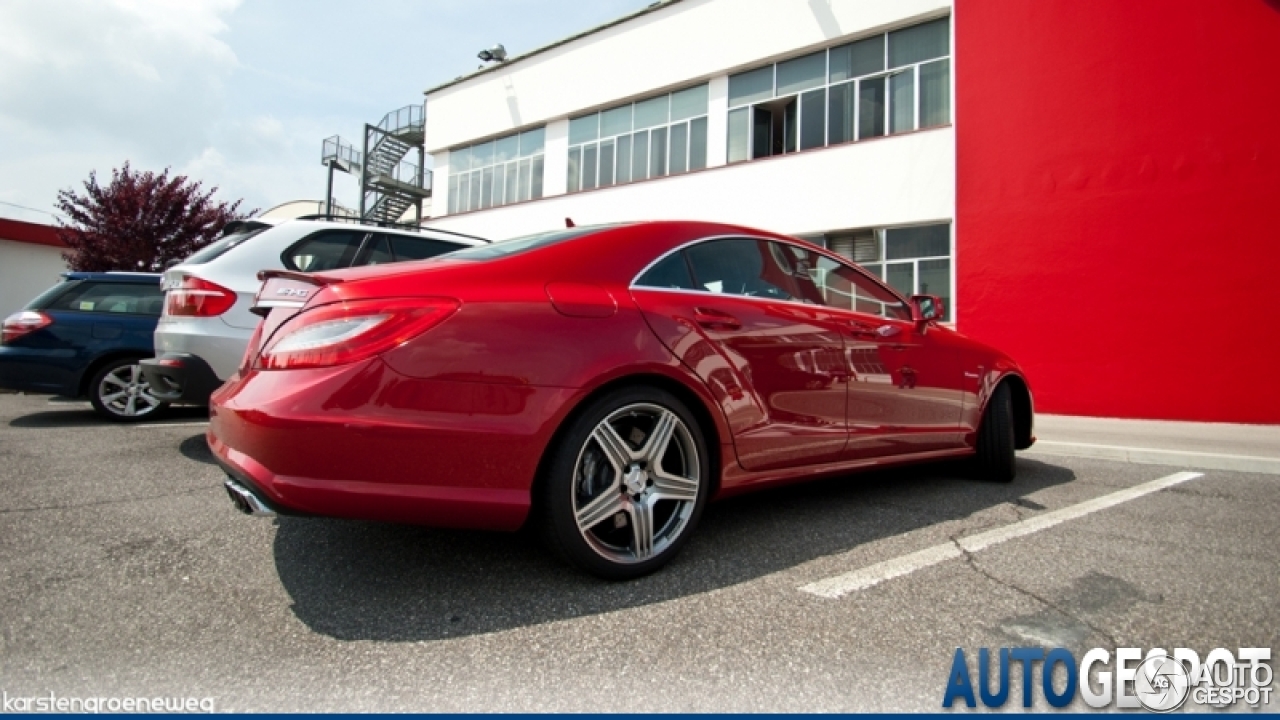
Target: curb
{"type": "Point", "coordinates": [1151, 456]}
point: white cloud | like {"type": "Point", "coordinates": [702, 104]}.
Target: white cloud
{"type": "Point", "coordinates": [236, 95]}
{"type": "Point", "coordinates": [89, 84]}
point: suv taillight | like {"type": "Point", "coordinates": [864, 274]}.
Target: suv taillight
{"type": "Point", "coordinates": [347, 332]}
{"type": "Point", "coordinates": [194, 297]}
{"type": "Point", "coordinates": [21, 323]}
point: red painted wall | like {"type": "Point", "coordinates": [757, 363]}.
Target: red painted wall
{"type": "Point", "coordinates": [26, 232]}
{"type": "Point", "coordinates": [1118, 201]}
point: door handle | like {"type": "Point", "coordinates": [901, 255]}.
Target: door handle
{"type": "Point", "coordinates": [716, 320]}
{"type": "Point", "coordinates": [861, 329]}
{"type": "Point", "coordinates": [879, 332]}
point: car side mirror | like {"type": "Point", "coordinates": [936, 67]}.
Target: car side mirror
{"type": "Point", "coordinates": [926, 308]}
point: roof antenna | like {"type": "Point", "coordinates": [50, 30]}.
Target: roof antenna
{"type": "Point", "coordinates": [568, 222]}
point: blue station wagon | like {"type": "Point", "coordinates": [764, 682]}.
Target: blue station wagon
{"type": "Point", "coordinates": [84, 337]}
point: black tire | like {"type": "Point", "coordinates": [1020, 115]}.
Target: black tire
{"type": "Point", "coordinates": [583, 480]}
{"type": "Point", "coordinates": [120, 393]}
{"type": "Point", "coordinates": [995, 460]}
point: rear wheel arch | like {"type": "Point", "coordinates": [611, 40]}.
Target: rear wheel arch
{"type": "Point", "coordinates": [92, 368]}
{"type": "Point", "coordinates": [691, 399]}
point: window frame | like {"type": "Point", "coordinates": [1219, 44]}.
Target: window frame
{"type": "Point", "coordinates": [577, 152]}
{"type": "Point", "coordinates": [467, 188]}
{"type": "Point", "coordinates": [807, 247]}
{"type": "Point", "coordinates": [854, 82]}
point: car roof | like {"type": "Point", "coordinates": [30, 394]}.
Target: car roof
{"type": "Point", "coordinates": [121, 277]}
{"type": "Point", "coordinates": [355, 224]}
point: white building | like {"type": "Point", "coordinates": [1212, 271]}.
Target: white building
{"type": "Point", "coordinates": [828, 119]}
{"type": "Point", "coordinates": [30, 262]}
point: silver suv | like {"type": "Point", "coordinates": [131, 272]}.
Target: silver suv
{"type": "Point", "coordinates": [206, 323]}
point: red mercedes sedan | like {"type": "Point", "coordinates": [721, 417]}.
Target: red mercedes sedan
{"type": "Point", "coordinates": [602, 382]}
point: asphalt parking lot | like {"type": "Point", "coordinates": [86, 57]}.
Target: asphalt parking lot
{"type": "Point", "coordinates": [125, 571]}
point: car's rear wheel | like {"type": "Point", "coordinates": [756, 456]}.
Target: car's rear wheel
{"type": "Point", "coordinates": [627, 484]}
{"type": "Point", "coordinates": [996, 460]}
{"type": "Point", "coordinates": [119, 392]}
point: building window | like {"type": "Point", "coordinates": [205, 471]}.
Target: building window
{"type": "Point", "coordinates": [913, 260]}
{"type": "Point", "coordinates": [885, 84]}
{"type": "Point", "coordinates": [665, 135]}
{"type": "Point", "coordinates": [498, 172]}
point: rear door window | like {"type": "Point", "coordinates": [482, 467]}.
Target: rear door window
{"type": "Point", "coordinates": [328, 250]}
{"type": "Point", "coordinates": [672, 272]}
{"type": "Point", "coordinates": [750, 267]}
{"type": "Point", "coordinates": [46, 299]}
{"type": "Point", "coordinates": [377, 251]}
{"type": "Point", "coordinates": [221, 246]}
{"type": "Point", "coordinates": [420, 248]}
{"type": "Point", "coordinates": [112, 297]}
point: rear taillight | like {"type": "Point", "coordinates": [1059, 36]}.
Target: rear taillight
{"type": "Point", "coordinates": [21, 323]}
{"type": "Point", "coordinates": [194, 297]}
{"type": "Point", "coordinates": [348, 332]}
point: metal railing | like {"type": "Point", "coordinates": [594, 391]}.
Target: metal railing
{"type": "Point", "coordinates": [409, 116]}
{"type": "Point", "coordinates": [335, 148]}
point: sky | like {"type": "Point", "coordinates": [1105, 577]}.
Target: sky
{"type": "Point", "coordinates": [236, 94]}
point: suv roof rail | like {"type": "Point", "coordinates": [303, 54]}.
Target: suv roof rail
{"type": "Point", "coordinates": [388, 224]}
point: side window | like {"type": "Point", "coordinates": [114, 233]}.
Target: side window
{"type": "Point", "coordinates": [324, 251]}
{"type": "Point", "coordinates": [415, 248]}
{"type": "Point", "coordinates": [843, 287]}
{"type": "Point", "coordinates": [743, 266]}
{"type": "Point", "coordinates": [671, 272]}
{"type": "Point", "coordinates": [376, 252]}
{"type": "Point", "coordinates": [110, 297]}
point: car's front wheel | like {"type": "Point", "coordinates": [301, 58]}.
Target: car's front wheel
{"type": "Point", "coordinates": [627, 484]}
{"type": "Point", "coordinates": [995, 460]}
{"type": "Point", "coordinates": [119, 392]}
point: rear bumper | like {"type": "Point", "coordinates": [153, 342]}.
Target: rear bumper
{"type": "Point", "coordinates": [220, 345]}
{"type": "Point", "coordinates": [38, 371]}
{"type": "Point", "coordinates": [365, 442]}
{"type": "Point", "coordinates": [180, 378]}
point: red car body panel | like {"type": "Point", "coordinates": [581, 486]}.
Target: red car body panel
{"type": "Point", "coordinates": [450, 427]}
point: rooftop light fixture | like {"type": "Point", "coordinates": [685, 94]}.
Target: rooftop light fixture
{"type": "Point", "coordinates": [497, 53]}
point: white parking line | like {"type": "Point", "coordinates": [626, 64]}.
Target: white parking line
{"type": "Point", "coordinates": [1157, 456]}
{"type": "Point", "coordinates": [861, 579]}
{"type": "Point", "coordinates": [140, 426]}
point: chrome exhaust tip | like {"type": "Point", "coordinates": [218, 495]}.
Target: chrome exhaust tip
{"type": "Point", "coordinates": [245, 500]}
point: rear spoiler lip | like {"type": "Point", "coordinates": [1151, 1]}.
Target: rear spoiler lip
{"type": "Point", "coordinates": [262, 307]}
{"type": "Point", "coordinates": [313, 278]}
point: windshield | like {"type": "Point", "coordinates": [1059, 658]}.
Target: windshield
{"type": "Point", "coordinates": [525, 242]}
{"type": "Point", "coordinates": [220, 246]}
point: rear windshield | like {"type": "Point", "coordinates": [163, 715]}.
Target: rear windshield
{"type": "Point", "coordinates": [46, 298]}
{"type": "Point", "coordinates": [526, 242]}
{"type": "Point", "coordinates": [220, 246]}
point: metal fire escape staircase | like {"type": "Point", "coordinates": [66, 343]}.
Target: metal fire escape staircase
{"type": "Point", "coordinates": [390, 183]}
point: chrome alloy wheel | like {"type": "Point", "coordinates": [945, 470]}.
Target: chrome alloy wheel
{"type": "Point", "coordinates": [126, 393]}
{"type": "Point", "coordinates": [635, 483]}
